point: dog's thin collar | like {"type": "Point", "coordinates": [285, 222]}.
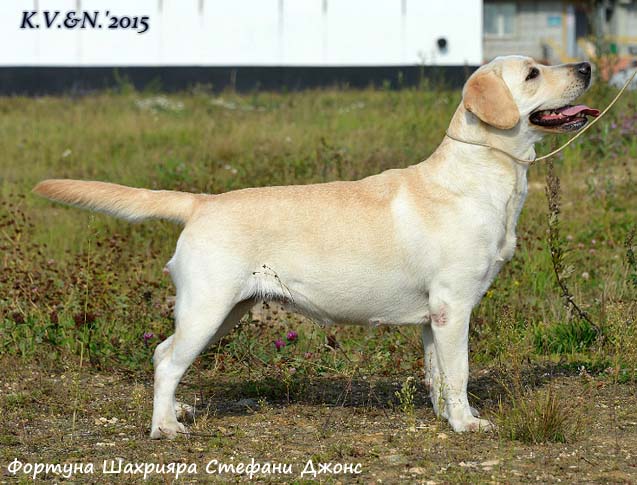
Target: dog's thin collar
{"type": "Point", "coordinates": [527, 162]}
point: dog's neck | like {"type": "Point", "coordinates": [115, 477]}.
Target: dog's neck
{"type": "Point", "coordinates": [471, 169]}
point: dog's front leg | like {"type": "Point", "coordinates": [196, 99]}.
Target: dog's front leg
{"type": "Point", "coordinates": [432, 374]}
{"type": "Point", "coordinates": [450, 331]}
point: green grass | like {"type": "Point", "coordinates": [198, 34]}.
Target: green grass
{"type": "Point", "coordinates": [74, 282]}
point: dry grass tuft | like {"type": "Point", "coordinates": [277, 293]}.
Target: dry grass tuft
{"type": "Point", "coordinates": [537, 417]}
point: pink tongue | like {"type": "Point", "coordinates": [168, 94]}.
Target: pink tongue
{"type": "Point", "coordinates": [580, 108]}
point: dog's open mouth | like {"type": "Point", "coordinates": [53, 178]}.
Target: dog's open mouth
{"type": "Point", "coordinates": [566, 118]}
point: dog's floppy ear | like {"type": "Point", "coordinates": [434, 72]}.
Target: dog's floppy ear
{"type": "Point", "coordinates": [488, 97]}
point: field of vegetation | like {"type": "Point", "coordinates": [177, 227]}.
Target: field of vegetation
{"type": "Point", "coordinates": [83, 300]}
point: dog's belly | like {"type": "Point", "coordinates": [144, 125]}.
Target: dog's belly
{"type": "Point", "coordinates": [351, 311]}
{"type": "Point", "coordinates": [349, 298]}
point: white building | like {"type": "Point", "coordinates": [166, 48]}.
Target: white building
{"type": "Point", "coordinates": [247, 33]}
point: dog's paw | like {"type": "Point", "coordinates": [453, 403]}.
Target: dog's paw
{"type": "Point", "coordinates": [168, 431]}
{"type": "Point", "coordinates": [471, 424]}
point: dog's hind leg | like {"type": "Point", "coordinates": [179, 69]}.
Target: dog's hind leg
{"type": "Point", "coordinates": [199, 322]}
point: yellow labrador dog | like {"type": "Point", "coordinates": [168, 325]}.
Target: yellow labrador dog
{"type": "Point", "coordinates": [415, 246]}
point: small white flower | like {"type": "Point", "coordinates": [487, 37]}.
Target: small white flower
{"type": "Point", "coordinates": [230, 168]}
{"type": "Point", "coordinates": [159, 103]}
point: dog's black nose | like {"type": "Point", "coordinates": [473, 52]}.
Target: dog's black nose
{"type": "Point", "coordinates": [584, 70]}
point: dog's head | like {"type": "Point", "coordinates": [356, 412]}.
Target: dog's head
{"type": "Point", "coordinates": [516, 90]}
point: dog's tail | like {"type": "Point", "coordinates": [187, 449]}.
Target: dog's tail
{"type": "Point", "coordinates": [120, 201]}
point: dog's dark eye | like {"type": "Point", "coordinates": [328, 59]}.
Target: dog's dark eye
{"type": "Point", "coordinates": [533, 73]}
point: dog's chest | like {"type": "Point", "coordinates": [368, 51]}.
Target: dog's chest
{"type": "Point", "coordinates": [512, 211]}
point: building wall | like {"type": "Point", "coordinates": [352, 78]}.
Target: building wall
{"type": "Point", "coordinates": [535, 23]}
{"type": "Point", "coordinates": [252, 32]}
{"type": "Point", "coordinates": [624, 26]}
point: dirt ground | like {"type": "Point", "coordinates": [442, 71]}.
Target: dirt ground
{"type": "Point", "coordinates": [341, 426]}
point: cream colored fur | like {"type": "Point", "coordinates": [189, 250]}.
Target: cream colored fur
{"type": "Point", "coordinates": [415, 246]}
